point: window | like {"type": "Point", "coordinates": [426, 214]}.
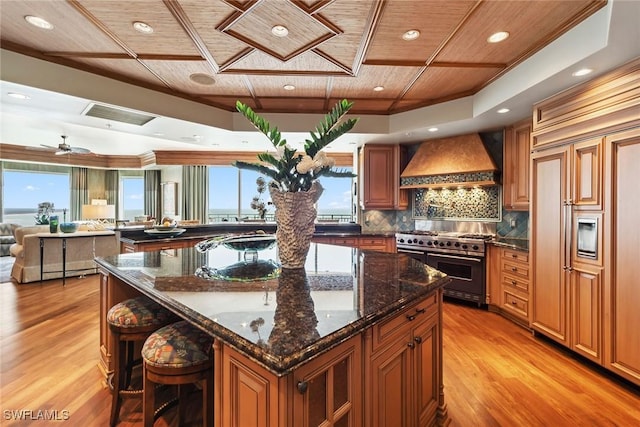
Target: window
{"type": "Point", "coordinates": [231, 191]}
{"type": "Point", "coordinates": [132, 192]}
{"type": "Point", "coordinates": [25, 189]}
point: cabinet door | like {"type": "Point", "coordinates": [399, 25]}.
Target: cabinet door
{"type": "Point", "coordinates": [493, 275]}
{"type": "Point", "coordinates": [517, 149]}
{"type": "Point", "coordinates": [378, 177]}
{"type": "Point", "coordinates": [329, 389]}
{"type": "Point", "coordinates": [391, 385]}
{"type": "Point", "coordinates": [623, 246]}
{"type": "Point", "coordinates": [425, 367]}
{"type": "Point", "coordinates": [549, 254]}
{"type": "Point", "coordinates": [586, 312]}
{"type": "Point", "coordinates": [587, 175]}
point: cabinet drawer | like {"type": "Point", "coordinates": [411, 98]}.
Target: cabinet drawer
{"type": "Point", "coordinates": [519, 256]}
{"type": "Point", "coordinates": [515, 304]}
{"type": "Point", "coordinates": [515, 269]}
{"type": "Point", "coordinates": [372, 241]}
{"type": "Point", "coordinates": [515, 282]}
{"type": "Point", "coordinates": [346, 241]}
{"type": "Point", "coordinates": [399, 324]}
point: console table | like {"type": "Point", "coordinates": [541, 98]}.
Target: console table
{"type": "Point", "coordinates": [63, 240]}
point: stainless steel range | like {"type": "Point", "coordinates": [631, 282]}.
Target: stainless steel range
{"type": "Point", "coordinates": [460, 255]}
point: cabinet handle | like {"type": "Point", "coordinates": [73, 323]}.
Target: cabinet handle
{"type": "Point", "coordinates": [514, 255]}
{"type": "Point", "coordinates": [302, 386]}
{"type": "Point", "coordinates": [513, 303]}
{"type": "Point", "coordinates": [513, 282]}
{"type": "Point", "coordinates": [418, 340]}
{"type": "Point", "coordinates": [420, 310]}
{"type": "Point", "coordinates": [411, 344]}
{"type": "Point", "coordinates": [514, 269]}
{"type": "Point", "coordinates": [410, 317]}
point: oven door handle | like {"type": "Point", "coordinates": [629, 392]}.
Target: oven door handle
{"type": "Point", "coordinates": [431, 254]}
{"type": "Point", "coordinates": [409, 251]}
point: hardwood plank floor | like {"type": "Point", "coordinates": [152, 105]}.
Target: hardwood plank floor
{"type": "Point", "coordinates": [496, 373]}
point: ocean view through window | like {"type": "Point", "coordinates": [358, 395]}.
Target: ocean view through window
{"type": "Point", "coordinates": [231, 191]}
{"type": "Point", "coordinates": [24, 189]}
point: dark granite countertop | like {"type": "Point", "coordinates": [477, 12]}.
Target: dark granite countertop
{"type": "Point", "coordinates": [286, 316]}
{"type": "Point", "coordinates": [512, 243]}
{"type": "Point", "coordinates": [133, 235]}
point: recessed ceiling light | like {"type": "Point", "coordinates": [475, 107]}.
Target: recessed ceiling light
{"type": "Point", "coordinates": [288, 87]}
{"type": "Point", "coordinates": [38, 22]}
{"type": "Point", "coordinates": [202, 79]}
{"type": "Point", "coordinates": [582, 72]}
{"type": "Point", "coordinates": [378, 88]}
{"type": "Point", "coordinates": [18, 95]}
{"type": "Point", "coordinates": [279, 31]}
{"type": "Point", "coordinates": [158, 134]}
{"type": "Point", "coordinates": [411, 35]}
{"type": "Point", "coordinates": [503, 110]}
{"type": "Point", "coordinates": [498, 37]}
{"type": "Point", "coordinates": [142, 27]}
{"type": "Point", "coordinates": [434, 129]}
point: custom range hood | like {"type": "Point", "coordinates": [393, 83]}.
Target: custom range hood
{"type": "Point", "coordinates": [459, 161]}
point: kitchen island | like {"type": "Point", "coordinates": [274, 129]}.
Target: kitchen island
{"type": "Point", "coordinates": [354, 338]}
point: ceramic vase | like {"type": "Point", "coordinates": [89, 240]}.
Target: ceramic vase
{"type": "Point", "coordinates": [295, 219]}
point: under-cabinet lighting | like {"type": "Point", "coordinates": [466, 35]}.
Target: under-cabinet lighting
{"type": "Point", "coordinates": [378, 88]}
{"type": "Point", "coordinates": [503, 110]}
{"type": "Point", "coordinates": [434, 129]}
{"type": "Point", "coordinates": [288, 87]}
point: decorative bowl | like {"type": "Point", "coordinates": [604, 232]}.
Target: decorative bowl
{"type": "Point", "coordinates": [163, 234]}
{"type": "Point", "coordinates": [68, 227]}
{"type": "Point", "coordinates": [164, 227]}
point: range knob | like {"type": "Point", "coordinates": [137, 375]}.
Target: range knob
{"type": "Point", "coordinates": [441, 244]}
{"type": "Point", "coordinates": [435, 243]}
{"type": "Point", "coordinates": [475, 247]}
{"type": "Point", "coordinates": [420, 242]}
{"type": "Point", "coordinates": [457, 244]}
{"type": "Point", "coordinates": [415, 240]}
{"type": "Point", "coordinates": [448, 243]}
{"type": "Point", "coordinates": [429, 243]}
{"type": "Point", "coordinates": [464, 246]}
{"type": "Point", "coordinates": [400, 240]}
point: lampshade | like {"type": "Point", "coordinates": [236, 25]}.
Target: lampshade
{"type": "Point", "coordinates": [98, 211]}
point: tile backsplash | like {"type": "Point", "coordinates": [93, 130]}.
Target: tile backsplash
{"type": "Point", "coordinates": [464, 204]}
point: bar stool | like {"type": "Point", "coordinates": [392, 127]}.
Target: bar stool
{"type": "Point", "coordinates": [131, 321]}
{"type": "Point", "coordinates": [178, 354]}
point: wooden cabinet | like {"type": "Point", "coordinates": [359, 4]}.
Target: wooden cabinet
{"type": "Point", "coordinates": [373, 243]}
{"type": "Point", "coordinates": [159, 245]}
{"type": "Point", "coordinates": [517, 147]}
{"type": "Point", "coordinates": [324, 392]}
{"type": "Point", "coordinates": [328, 388]}
{"type": "Point", "coordinates": [494, 291]}
{"type": "Point", "coordinates": [401, 383]}
{"type": "Point", "coordinates": [379, 177]}
{"type": "Point", "coordinates": [567, 182]}
{"type": "Point", "coordinates": [514, 283]}
{"type": "Point", "coordinates": [586, 165]}
{"type": "Point", "coordinates": [622, 252]}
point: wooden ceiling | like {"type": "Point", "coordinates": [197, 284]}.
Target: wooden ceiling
{"type": "Point", "coordinates": [334, 49]}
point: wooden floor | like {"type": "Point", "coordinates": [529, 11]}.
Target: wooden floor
{"type": "Point", "coordinates": [496, 373]}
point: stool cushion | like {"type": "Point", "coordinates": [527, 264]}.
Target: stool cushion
{"type": "Point", "coordinates": [178, 345]}
{"type": "Point", "coordinates": [138, 312]}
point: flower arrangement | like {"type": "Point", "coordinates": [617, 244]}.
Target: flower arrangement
{"type": "Point", "coordinates": [290, 170]}
{"type": "Point", "coordinates": [257, 203]}
{"type": "Point", "coordinates": [45, 209]}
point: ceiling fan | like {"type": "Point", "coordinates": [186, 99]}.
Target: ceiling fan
{"type": "Point", "coordinates": [64, 148]}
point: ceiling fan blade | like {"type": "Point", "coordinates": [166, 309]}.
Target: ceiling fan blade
{"type": "Point", "coordinates": [49, 147]}
{"type": "Point", "coordinates": [79, 150]}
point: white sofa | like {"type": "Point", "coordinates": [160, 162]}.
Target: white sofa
{"type": "Point", "coordinates": [82, 248]}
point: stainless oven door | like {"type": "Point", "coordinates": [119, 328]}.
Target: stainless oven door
{"type": "Point", "coordinates": [416, 254]}
{"type": "Point", "coordinates": [466, 272]}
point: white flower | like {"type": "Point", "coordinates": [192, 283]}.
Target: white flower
{"type": "Point", "coordinates": [321, 160]}
{"type": "Point", "coordinates": [305, 165]}
{"type": "Point", "coordinates": [280, 151]}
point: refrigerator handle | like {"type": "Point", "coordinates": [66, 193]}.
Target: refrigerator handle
{"type": "Point", "coordinates": [568, 227]}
